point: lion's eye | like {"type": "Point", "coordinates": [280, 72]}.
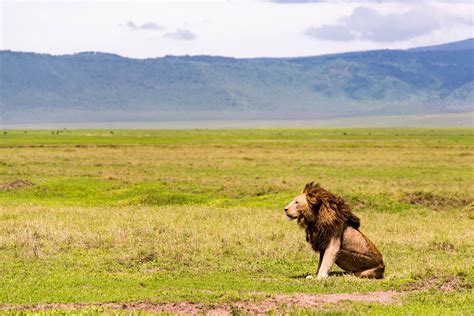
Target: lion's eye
{"type": "Point", "coordinates": [296, 202]}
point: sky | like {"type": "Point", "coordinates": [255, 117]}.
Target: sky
{"type": "Point", "coordinates": [236, 28]}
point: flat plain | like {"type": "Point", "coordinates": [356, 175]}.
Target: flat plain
{"type": "Point", "coordinates": [192, 220]}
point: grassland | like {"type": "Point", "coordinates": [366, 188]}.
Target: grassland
{"type": "Point", "coordinates": [197, 215]}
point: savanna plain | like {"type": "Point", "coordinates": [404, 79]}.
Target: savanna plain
{"type": "Point", "coordinates": [192, 220]}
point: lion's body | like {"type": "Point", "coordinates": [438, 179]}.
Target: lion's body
{"type": "Point", "coordinates": [332, 230]}
{"type": "Point", "coordinates": [359, 255]}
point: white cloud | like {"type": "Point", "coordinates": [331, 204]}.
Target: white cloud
{"type": "Point", "coordinates": [368, 24]}
{"type": "Point", "coordinates": [330, 32]}
{"type": "Point", "coordinates": [144, 26]}
{"type": "Point", "coordinates": [182, 35]}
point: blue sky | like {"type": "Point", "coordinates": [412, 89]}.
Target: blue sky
{"type": "Point", "coordinates": [244, 28]}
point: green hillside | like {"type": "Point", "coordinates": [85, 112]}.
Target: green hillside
{"type": "Point", "coordinates": [98, 86]}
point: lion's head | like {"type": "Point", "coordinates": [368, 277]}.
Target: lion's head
{"type": "Point", "coordinates": [302, 206]}
{"type": "Point", "coordinates": [316, 203]}
{"type": "Point", "coordinates": [297, 207]}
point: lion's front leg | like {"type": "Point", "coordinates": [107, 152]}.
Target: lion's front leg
{"type": "Point", "coordinates": [321, 256]}
{"type": "Point", "coordinates": [329, 258]}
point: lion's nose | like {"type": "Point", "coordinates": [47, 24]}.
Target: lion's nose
{"type": "Point", "coordinates": [286, 210]}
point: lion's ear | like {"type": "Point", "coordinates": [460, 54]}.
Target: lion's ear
{"type": "Point", "coordinates": [308, 187]}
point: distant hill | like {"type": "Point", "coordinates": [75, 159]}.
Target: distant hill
{"type": "Point", "coordinates": [467, 44]}
{"type": "Point", "coordinates": [106, 87]}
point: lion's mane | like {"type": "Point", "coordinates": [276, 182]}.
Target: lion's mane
{"type": "Point", "coordinates": [327, 216]}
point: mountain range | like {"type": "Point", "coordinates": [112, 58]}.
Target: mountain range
{"type": "Point", "coordinates": [94, 86]}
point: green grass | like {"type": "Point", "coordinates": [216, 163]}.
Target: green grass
{"type": "Point", "coordinates": [196, 215]}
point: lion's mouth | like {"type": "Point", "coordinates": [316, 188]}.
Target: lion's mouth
{"type": "Point", "coordinates": [291, 216]}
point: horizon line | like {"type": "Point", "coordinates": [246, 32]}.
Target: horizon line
{"type": "Point", "coordinates": [231, 57]}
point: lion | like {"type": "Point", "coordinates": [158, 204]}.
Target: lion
{"type": "Point", "coordinates": [333, 231]}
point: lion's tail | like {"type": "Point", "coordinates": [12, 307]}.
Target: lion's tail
{"type": "Point", "coordinates": [353, 221]}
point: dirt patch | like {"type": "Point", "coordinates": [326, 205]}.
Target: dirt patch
{"type": "Point", "coordinates": [436, 202]}
{"type": "Point", "coordinates": [311, 301]}
{"type": "Point", "coordinates": [449, 283]}
{"type": "Point", "coordinates": [280, 302]}
{"type": "Point", "coordinates": [15, 185]}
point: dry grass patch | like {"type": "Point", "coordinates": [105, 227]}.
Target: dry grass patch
{"type": "Point", "coordinates": [436, 202]}
{"type": "Point", "coordinates": [15, 184]}
{"type": "Point", "coordinates": [441, 283]}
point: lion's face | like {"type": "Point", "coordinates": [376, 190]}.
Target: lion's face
{"type": "Point", "coordinates": [296, 208]}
